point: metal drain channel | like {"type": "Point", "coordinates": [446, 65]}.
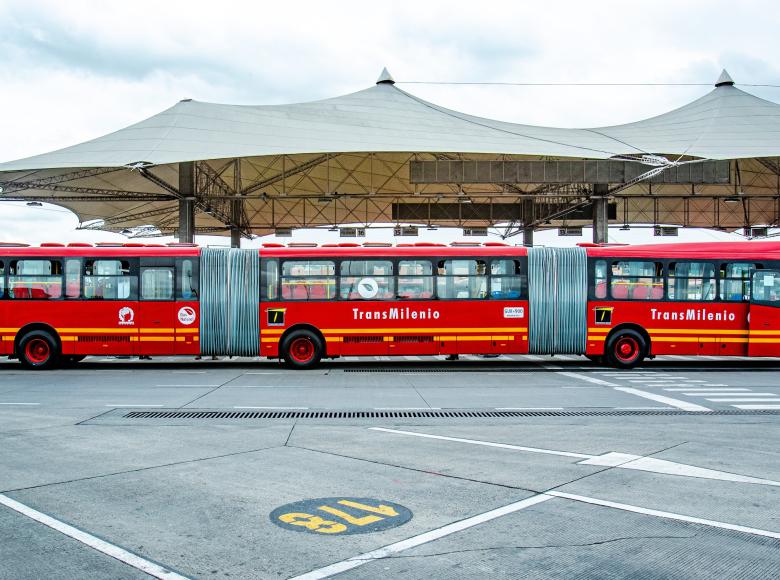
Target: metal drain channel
{"type": "Point", "coordinates": [422, 414]}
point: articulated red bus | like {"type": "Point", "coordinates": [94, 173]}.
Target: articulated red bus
{"type": "Point", "coordinates": [614, 304]}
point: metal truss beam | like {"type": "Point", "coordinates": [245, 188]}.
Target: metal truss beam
{"type": "Point", "coordinates": [118, 219]}
{"type": "Point", "coordinates": [47, 182]}
{"type": "Point", "coordinates": [136, 197]}
{"type": "Point", "coordinates": [285, 174]}
{"type": "Point", "coordinates": [114, 194]}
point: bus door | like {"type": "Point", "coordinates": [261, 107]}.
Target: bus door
{"type": "Point", "coordinates": [187, 321]}
{"type": "Point", "coordinates": [765, 314]}
{"type": "Point", "coordinates": [157, 305]}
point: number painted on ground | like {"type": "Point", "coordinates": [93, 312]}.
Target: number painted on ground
{"type": "Point", "coordinates": [345, 515]}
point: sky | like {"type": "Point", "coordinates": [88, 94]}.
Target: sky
{"type": "Point", "coordinates": [72, 71]}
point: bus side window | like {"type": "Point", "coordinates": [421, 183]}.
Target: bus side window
{"type": "Point", "coordinates": [600, 279]}
{"type": "Point", "coordinates": [637, 280]}
{"type": "Point", "coordinates": [269, 280]}
{"type": "Point", "coordinates": [36, 279]}
{"type": "Point", "coordinates": [506, 279]}
{"type": "Point", "coordinates": [72, 278]}
{"type": "Point", "coordinates": [459, 279]}
{"type": "Point", "coordinates": [189, 285]}
{"type": "Point", "coordinates": [367, 280]}
{"type": "Point", "coordinates": [766, 287]}
{"type": "Point", "coordinates": [415, 280]}
{"type": "Point", "coordinates": [735, 280]}
{"type": "Point", "coordinates": [691, 281]}
{"type": "Point", "coordinates": [157, 283]}
{"type": "Point", "coordinates": [108, 280]}
{"type": "Point", "coordinates": [308, 280]}
{"type": "Point", "coordinates": [2, 279]}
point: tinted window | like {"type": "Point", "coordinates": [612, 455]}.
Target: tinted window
{"type": "Point", "coordinates": [157, 284]}
{"type": "Point", "coordinates": [189, 284]}
{"type": "Point", "coordinates": [308, 280]}
{"type": "Point", "coordinates": [766, 287]}
{"type": "Point", "coordinates": [2, 279]}
{"type": "Point", "coordinates": [269, 280]}
{"type": "Point", "coordinates": [72, 278]}
{"type": "Point", "coordinates": [600, 279]}
{"type": "Point", "coordinates": [691, 281]}
{"type": "Point", "coordinates": [637, 280]}
{"type": "Point", "coordinates": [367, 280]}
{"type": "Point", "coordinates": [415, 279]}
{"type": "Point", "coordinates": [735, 280]}
{"type": "Point", "coordinates": [459, 279]}
{"type": "Point", "coordinates": [35, 279]}
{"type": "Point", "coordinates": [107, 280]}
{"type": "Point", "coordinates": [506, 279]}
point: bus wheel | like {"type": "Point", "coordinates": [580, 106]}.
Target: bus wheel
{"type": "Point", "coordinates": [626, 349]}
{"type": "Point", "coordinates": [302, 349]}
{"type": "Point", "coordinates": [38, 350]}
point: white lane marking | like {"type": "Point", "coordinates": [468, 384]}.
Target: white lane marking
{"type": "Point", "coordinates": [641, 408]}
{"type": "Point", "coordinates": [654, 465]}
{"type": "Point", "coordinates": [151, 568]}
{"type": "Point", "coordinates": [684, 405]}
{"type": "Point", "coordinates": [580, 387]}
{"type": "Point", "coordinates": [758, 400]}
{"type": "Point", "coordinates": [667, 515]}
{"type": "Point", "coordinates": [129, 405]}
{"type": "Point", "coordinates": [20, 404]}
{"type": "Point", "coordinates": [530, 408]}
{"type": "Point", "coordinates": [757, 407]}
{"type": "Point", "coordinates": [652, 380]}
{"type": "Point", "coordinates": [194, 386]}
{"type": "Point", "coordinates": [706, 389]}
{"type": "Point", "coordinates": [424, 538]}
{"type": "Point", "coordinates": [586, 378]}
{"type": "Point", "coordinates": [483, 443]}
{"type": "Point", "coordinates": [721, 394]}
{"type": "Point", "coordinates": [276, 408]}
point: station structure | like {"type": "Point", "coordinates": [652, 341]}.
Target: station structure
{"type": "Point", "coordinates": [384, 156]}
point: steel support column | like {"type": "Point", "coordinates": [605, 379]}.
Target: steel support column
{"type": "Point", "coordinates": [187, 202]}
{"type": "Point", "coordinates": [236, 207]}
{"type": "Point", "coordinates": [528, 220]}
{"type": "Point", "coordinates": [600, 213]}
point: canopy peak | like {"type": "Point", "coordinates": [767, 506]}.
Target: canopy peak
{"type": "Point", "coordinates": [385, 78]}
{"type": "Point", "coordinates": [724, 80]}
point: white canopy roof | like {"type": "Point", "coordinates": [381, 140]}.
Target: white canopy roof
{"type": "Point", "coordinates": [727, 123]}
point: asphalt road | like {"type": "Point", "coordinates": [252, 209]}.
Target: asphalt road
{"type": "Point", "coordinates": [521, 467]}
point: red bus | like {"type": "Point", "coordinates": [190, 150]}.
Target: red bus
{"type": "Point", "coordinates": [614, 304]}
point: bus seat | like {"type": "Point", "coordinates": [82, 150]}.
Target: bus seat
{"type": "Point", "coordinates": [21, 292]}
{"type": "Point", "coordinates": [619, 291]}
{"type": "Point", "coordinates": [317, 292]}
{"type": "Point", "coordinates": [658, 292]}
{"type": "Point", "coordinates": [38, 292]}
{"type": "Point", "coordinates": [641, 292]}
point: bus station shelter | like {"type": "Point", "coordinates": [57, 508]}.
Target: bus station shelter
{"type": "Point", "coordinates": [384, 156]}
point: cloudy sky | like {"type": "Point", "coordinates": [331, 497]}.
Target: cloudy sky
{"type": "Point", "coordinates": [71, 71]}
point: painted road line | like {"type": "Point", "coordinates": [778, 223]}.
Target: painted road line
{"type": "Point", "coordinates": [147, 566]}
{"type": "Point", "coordinates": [759, 400]}
{"type": "Point", "coordinates": [193, 386]}
{"type": "Point", "coordinates": [757, 407]}
{"type": "Point", "coordinates": [130, 405]}
{"type": "Point", "coordinates": [483, 443]}
{"type": "Point", "coordinates": [722, 394]}
{"type": "Point", "coordinates": [707, 389]}
{"type": "Point", "coordinates": [642, 408]}
{"type": "Point", "coordinates": [276, 408]}
{"type": "Point", "coordinates": [580, 377]}
{"type": "Point", "coordinates": [424, 538]}
{"type": "Point", "coordinates": [666, 515]}
{"type": "Point", "coordinates": [684, 405]}
{"type": "Point", "coordinates": [24, 404]}
{"type": "Point", "coordinates": [530, 408]}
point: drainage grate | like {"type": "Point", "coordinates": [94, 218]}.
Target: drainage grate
{"type": "Point", "coordinates": [419, 414]}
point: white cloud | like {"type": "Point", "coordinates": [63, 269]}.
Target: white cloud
{"type": "Point", "coordinates": [71, 71]}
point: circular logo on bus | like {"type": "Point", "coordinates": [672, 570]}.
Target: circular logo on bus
{"type": "Point", "coordinates": [126, 316]}
{"type": "Point", "coordinates": [187, 315]}
{"type": "Point", "coordinates": [340, 516]}
{"type": "Point", "coordinates": [367, 288]}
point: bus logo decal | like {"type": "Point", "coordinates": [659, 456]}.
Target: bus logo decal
{"type": "Point", "coordinates": [187, 315]}
{"type": "Point", "coordinates": [603, 314]}
{"type": "Point", "coordinates": [367, 288]}
{"type": "Point", "coordinates": [275, 316]}
{"type": "Point", "coordinates": [126, 316]}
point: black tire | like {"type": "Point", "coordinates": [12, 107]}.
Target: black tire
{"type": "Point", "coordinates": [302, 349]}
{"type": "Point", "coordinates": [626, 349]}
{"type": "Point", "coordinates": [39, 350]}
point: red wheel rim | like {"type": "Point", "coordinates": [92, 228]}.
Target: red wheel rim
{"type": "Point", "coordinates": [37, 351]}
{"type": "Point", "coordinates": [627, 349]}
{"type": "Point", "coordinates": [302, 350]}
